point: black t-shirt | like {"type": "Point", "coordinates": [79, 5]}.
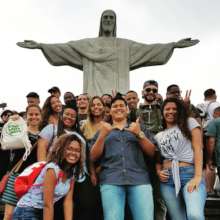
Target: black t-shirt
{"type": "Point", "coordinates": [4, 158]}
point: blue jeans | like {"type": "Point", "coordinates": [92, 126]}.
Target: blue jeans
{"type": "Point", "coordinates": [186, 206]}
{"type": "Point", "coordinates": [27, 213]}
{"type": "Point", "coordinates": [139, 197]}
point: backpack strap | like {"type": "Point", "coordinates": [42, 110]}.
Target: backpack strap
{"type": "Point", "coordinates": [17, 166]}
{"type": "Point", "coordinates": [60, 175]}
{"type": "Point", "coordinates": [28, 147]}
{"type": "Point", "coordinates": [52, 139]}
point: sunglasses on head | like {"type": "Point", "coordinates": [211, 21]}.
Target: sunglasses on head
{"type": "Point", "coordinates": [151, 90]}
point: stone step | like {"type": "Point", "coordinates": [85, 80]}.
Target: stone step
{"type": "Point", "coordinates": [212, 208]}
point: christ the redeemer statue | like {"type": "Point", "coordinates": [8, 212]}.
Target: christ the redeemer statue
{"type": "Point", "coordinates": [106, 60]}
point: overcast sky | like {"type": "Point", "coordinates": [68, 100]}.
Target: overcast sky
{"type": "Point", "coordinates": [147, 21]}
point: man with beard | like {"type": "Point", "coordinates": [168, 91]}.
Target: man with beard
{"type": "Point", "coordinates": [149, 111]}
{"type": "Point", "coordinates": [150, 119]}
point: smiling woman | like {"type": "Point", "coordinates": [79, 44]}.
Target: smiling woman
{"type": "Point", "coordinates": [180, 171]}
{"type": "Point", "coordinates": [67, 122]}
{"type": "Point", "coordinates": [95, 116]}
{"type": "Point", "coordinates": [64, 166]}
{"type": "Point", "coordinates": [33, 113]}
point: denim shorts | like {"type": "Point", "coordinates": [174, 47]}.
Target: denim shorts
{"type": "Point", "coordinates": [27, 213]}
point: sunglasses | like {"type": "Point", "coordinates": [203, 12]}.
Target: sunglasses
{"type": "Point", "coordinates": [151, 90]}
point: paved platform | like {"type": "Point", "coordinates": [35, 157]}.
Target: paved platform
{"type": "Point", "coordinates": [212, 209]}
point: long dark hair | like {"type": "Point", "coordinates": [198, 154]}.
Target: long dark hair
{"type": "Point", "coordinates": [75, 127]}
{"type": "Point", "coordinates": [181, 116]}
{"type": "Point", "coordinates": [90, 115]}
{"type": "Point", "coordinates": [57, 152]}
{"type": "Point", "coordinates": [46, 111]}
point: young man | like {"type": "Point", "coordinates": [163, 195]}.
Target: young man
{"type": "Point", "coordinates": [120, 149]}
{"type": "Point", "coordinates": [132, 101]}
{"type": "Point", "coordinates": [68, 98]}
{"type": "Point", "coordinates": [55, 91]}
{"type": "Point", "coordinates": [33, 98]}
{"type": "Point", "coordinates": [173, 91]}
{"type": "Point", "coordinates": [151, 119]}
{"type": "Point", "coordinates": [83, 106]}
{"type": "Point", "coordinates": [106, 98]}
{"type": "Point", "coordinates": [208, 106]}
{"type": "Point", "coordinates": [213, 143]}
{"type": "Point", "coordinates": [149, 111]}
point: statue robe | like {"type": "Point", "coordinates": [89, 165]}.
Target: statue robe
{"type": "Point", "coordinates": [106, 61]}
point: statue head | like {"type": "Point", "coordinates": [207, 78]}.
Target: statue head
{"type": "Point", "coordinates": [108, 24]}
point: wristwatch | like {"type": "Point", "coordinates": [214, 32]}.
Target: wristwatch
{"type": "Point", "coordinates": [141, 135]}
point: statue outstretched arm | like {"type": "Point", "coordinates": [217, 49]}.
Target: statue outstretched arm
{"type": "Point", "coordinates": [56, 54]}
{"type": "Point", "coordinates": [187, 42]}
{"type": "Point", "coordinates": [30, 44]}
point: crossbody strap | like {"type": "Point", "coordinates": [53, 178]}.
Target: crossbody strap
{"type": "Point", "coordinates": [17, 166]}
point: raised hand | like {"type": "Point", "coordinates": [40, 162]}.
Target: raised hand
{"type": "Point", "coordinates": [187, 98]}
{"type": "Point", "coordinates": [105, 129]}
{"type": "Point", "coordinates": [114, 92]}
{"type": "Point", "coordinates": [187, 42]}
{"type": "Point", "coordinates": [30, 44]}
{"type": "Point", "coordinates": [134, 127]}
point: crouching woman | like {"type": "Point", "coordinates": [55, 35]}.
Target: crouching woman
{"type": "Point", "coordinates": [56, 180]}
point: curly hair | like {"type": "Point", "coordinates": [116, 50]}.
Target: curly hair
{"type": "Point", "coordinates": [57, 153]}
{"type": "Point", "coordinates": [181, 116]}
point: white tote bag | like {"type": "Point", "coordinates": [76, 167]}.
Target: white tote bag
{"type": "Point", "coordinates": [15, 135]}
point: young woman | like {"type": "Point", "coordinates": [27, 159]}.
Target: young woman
{"type": "Point", "coordinates": [56, 180]}
{"type": "Point", "coordinates": [180, 170]}
{"type": "Point", "coordinates": [67, 122]}
{"type": "Point", "coordinates": [50, 111]}
{"type": "Point", "coordinates": [95, 117]}
{"type": "Point", "coordinates": [33, 113]}
{"type": "Point", "coordinates": [87, 197]}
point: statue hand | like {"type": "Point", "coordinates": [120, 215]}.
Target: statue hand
{"type": "Point", "coordinates": [187, 42]}
{"type": "Point", "coordinates": [30, 44]}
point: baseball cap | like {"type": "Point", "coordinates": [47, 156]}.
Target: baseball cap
{"type": "Point", "coordinates": [54, 89]}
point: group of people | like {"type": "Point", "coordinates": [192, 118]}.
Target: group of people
{"type": "Point", "coordinates": [110, 158]}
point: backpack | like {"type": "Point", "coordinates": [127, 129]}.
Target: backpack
{"type": "Point", "coordinates": [15, 135]}
{"type": "Point", "coordinates": [151, 117]}
{"type": "Point", "coordinates": [26, 179]}
{"type": "Point", "coordinates": [203, 109]}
